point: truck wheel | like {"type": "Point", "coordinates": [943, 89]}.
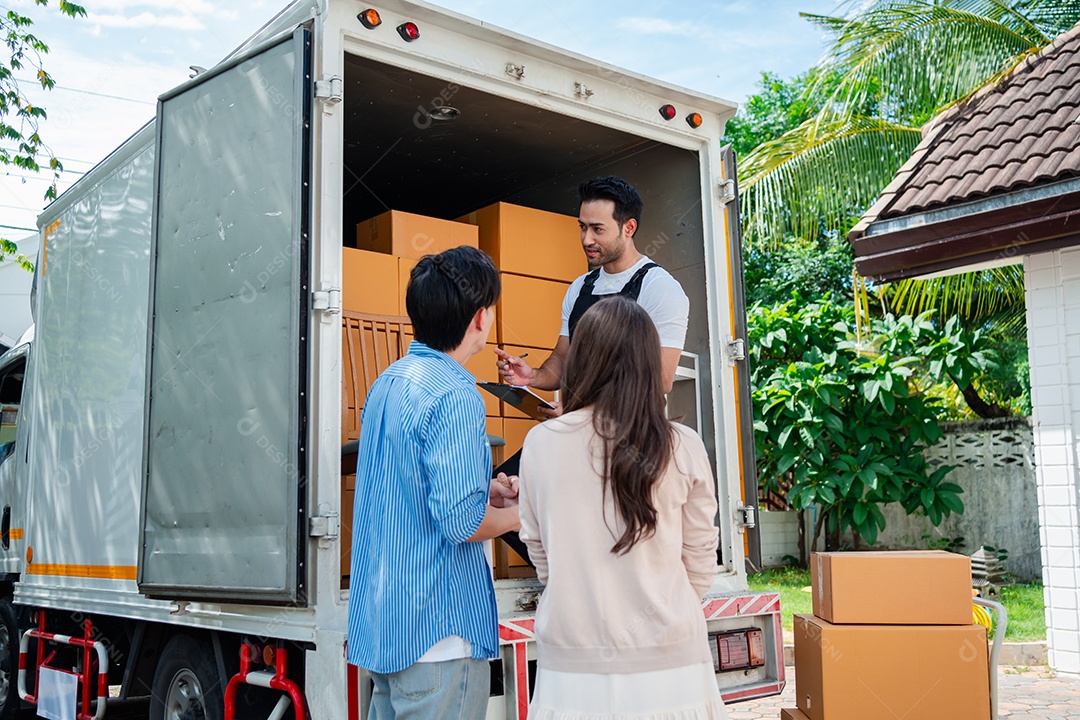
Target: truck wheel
{"type": "Point", "coordinates": [9, 660]}
{"type": "Point", "coordinates": [186, 683]}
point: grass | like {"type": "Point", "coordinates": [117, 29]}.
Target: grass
{"type": "Point", "coordinates": [789, 582]}
{"type": "Point", "coordinates": [1027, 615]}
{"type": "Point", "coordinates": [1024, 603]}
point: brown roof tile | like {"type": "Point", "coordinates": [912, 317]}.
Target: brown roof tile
{"type": "Point", "coordinates": [1025, 131]}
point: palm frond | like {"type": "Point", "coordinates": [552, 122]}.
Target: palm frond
{"type": "Point", "coordinates": [819, 177]}
{"type": "Point", "coordinates": [904, 60]}
{"type": "Point", "coordinates": [991, 296]}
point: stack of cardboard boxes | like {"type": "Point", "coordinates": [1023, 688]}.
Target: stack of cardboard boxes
{"type": "Point", "coordinates": [537, 253]}
{"type": "Point", "coordinates": [891, 637]}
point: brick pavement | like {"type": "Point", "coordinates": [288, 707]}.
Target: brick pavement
{"type": "Point", "coordinates": [1023, 694]}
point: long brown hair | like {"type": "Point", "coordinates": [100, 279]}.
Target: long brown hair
{"type": "Point", "coordinates": [614, 367]}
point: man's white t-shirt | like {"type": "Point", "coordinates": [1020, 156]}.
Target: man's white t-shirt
{"type": "Point", "coordinates": [661, 296]}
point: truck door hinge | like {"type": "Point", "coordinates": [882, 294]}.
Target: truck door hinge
{"type": "Point", "coordinates": [327, 301]}
{"type": "Point", "coordinates": [324, 526]}
{"type": "Point", "coordinates": [515, 71]}
{"type": "Point", "coordinates": [726, 191]}
{"type": "Point", "coordinates": [582, 92]}
{"type": "Point", "coordinates": [736, 350]}
{"type": "Point", "coordinates": [745, 517]}
{"type": "Point", "coordinates": [329, 90]}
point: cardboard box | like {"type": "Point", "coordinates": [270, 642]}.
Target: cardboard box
{"type": "Point", "coordinates": [413, 236]}
{"type": "Point", "coordinates": [530, 242]}
{"type": "Point", "coordinates": [882, 672]}
{"type": "Point", "coordinates": [514, 432]}
{"type": "Point", "coordinates": [792, 714]}
{"type": "Point", "coordinates": [369, 282]}
{"type": "Point", "coordinates": [536, 358]}
{"type": "Point", "coordinates": [885, 588]}
{"type": "Point", "coordinates": [482, 366]}
{"type": "Point", "coordinates": [405, 266]}
{"type": "Point", "coordinates": [530, 311]}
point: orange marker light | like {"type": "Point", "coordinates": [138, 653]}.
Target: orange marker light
{"type": "Point", "coordinates": [370, 18]}
{"type": "Point", "coordinates": [668, 112]}
{"type": "Point", "coordinates": [408, 31]}
{"type": "Point", "coordinates": [268, 655]}
{"type": "Point", "coordinates": [694, 120]}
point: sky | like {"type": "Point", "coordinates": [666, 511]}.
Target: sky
{"type": "Point", "coordinates": [111, 66]}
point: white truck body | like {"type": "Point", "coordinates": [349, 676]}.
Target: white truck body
{"type": "Point", "coordinates": [177, 453]}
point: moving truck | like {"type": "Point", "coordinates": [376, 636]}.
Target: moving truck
{"type": "Point", "coordinates": [171, 486]}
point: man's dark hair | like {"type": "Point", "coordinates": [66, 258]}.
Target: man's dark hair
{"type": "Point", "coordinates": [444, 293]}
{"type": "Point", "coordinates": [627, 201]}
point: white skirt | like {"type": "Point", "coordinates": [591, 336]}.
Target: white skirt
{"type": "Point", "coordinates": [685, 693]}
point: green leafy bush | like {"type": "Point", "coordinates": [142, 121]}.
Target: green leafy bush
{"type": "Point", "coordinates": [840, 421]}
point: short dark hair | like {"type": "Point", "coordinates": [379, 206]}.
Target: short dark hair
{"type": "Point", "coordinates": [627, 201]}
{"type": "Point", "coordinates": [446, 290]}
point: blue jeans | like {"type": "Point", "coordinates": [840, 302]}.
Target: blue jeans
{"type": "Point", "coordinates": [449, 690]}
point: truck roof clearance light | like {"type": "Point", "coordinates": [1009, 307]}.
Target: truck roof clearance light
{"type": "Point", "coordinates": [694, 120]}
{"type": "Point", "coordinates": [408, 31]}
{"type": "Point", "coordinates": [668, 112]}
{"type": "Point", "coordinates": [370, 19]}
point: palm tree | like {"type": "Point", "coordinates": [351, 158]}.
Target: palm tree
{"type": "Point", "coordinates": [899, 63]}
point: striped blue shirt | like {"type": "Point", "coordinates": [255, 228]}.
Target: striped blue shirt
{"type": "Point", "coordinates": [422, 479]}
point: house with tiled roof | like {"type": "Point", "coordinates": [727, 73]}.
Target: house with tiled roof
{"type": "Point", "coordinates": [996, 181]}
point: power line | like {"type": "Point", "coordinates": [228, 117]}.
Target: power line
{"type": "Point", "coordinates": [64, 159]}
{"type": "Point", "coordinates": [22, 207]}
{"type": "Point", "coordinates": [39, 177]}
{"type": "Point", "coordinates": [14, 227]}
{"type": "Point", "coordinates": [84, 92]}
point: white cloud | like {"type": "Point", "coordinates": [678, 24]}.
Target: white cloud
{"type": "Point", "coordinates": [148, 19]}
{"type": "Point", "coordinates": [656, 26]}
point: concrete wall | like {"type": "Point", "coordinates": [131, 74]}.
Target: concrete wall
{"type": "Point", "coordinates": [1052, 285]}
{"type": "Point", "coordinates": [780, 535]}
{"type": "Point", "coordinates": [994, 463]}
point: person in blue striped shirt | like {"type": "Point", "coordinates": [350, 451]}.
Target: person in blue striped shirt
{"type": "Point", "coordinates": [422, 615]}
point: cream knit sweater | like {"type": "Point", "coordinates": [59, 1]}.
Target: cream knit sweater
{"type": "Point", "coordinates": [606, 613]}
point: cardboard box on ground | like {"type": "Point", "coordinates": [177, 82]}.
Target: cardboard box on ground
{"type": "Point", "coordinates": [882, 672]}
{"type": "Point", "coordinates": [901, 642]}
{"type": "Point", "coordinates": [885, 588]}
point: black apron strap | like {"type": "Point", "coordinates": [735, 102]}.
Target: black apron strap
{"type": "Point", "coordinates": [585, 300]}
{"type": "Point", "coordinates": [632, 289]}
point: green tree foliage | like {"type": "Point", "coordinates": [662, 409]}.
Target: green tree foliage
{"type": "Point", "coordinates": [810, 269]}
{"type": "Point", "coordinates": [778, 106]}
{"type": "Point", "coordinates": [892, 65]}
{"type": "Point", "coordinates": [840, 412]}
{"type": "Point", "coordinates": [19, 118]}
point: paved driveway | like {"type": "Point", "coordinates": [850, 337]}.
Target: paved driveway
{"type": "Point", "coordinates": [1023, 693]}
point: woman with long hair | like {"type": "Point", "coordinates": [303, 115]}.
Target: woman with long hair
{"type": "Point", "coordinates": [617, 506]}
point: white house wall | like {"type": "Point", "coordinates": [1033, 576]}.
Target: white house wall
{"type": "Point", "coordinates": [1052, 288]}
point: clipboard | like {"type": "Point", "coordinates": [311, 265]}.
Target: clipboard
{"type": "Point", "coordinates": [519, 396]}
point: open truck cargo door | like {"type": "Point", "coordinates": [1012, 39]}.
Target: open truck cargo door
{"type": "Point", "coordinates": [224, 513]}
{"type": "Point", "coordinates": [740, 356]}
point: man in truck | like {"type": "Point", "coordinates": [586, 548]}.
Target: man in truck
{"type": "Point", "coordinates": [422, 614]}
{"type": "Point", "coordinates": [609, 218]}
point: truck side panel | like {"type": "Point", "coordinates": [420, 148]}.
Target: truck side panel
{"type": "Point", "coordinates": [88, 385]}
